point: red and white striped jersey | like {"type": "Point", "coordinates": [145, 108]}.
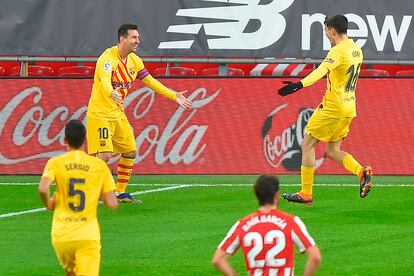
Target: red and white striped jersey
{"type": "Point", "coordinates": [267, 239]}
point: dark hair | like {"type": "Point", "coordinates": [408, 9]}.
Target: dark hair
{"type": "Point", "coordinates": [265, 188]}
{"type": "Point", "coordinates": [338, 22]}
{"type": "Point", "coordinates": [75, 133]}
{"type": "Point", "coordinates": [123, 30]}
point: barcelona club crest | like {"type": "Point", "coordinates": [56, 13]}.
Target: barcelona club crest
{"type": "Point", "coordinates": [131, 71]}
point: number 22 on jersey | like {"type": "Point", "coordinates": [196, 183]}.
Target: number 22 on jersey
{"type": "Point", "coordinates": [258, 242]}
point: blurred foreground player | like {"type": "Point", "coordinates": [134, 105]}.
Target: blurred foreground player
{"type": "Point", "coordinates": [81, 180]}
{"type": "Point", "coordinates": [267, 237]}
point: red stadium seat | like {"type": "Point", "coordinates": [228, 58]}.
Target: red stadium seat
{"type": "Point", "coordinates": [2, 71]}
{"type": "Point", "coordinates": [34, 70]}
{"type": "Point", "coordinates": [279, 69]}
{"type": "Point", "coordinates": [215, 72]}
{"type": "Point", "coordinates": [174, 71]}
{"type": "Point", "coordinates": [373, 73]}
{"type": "Point", "coordinates": [304, 72]}
{"type": "Point", "coordinates": [405, 73]}
{"type": "Point", "coordinates": [76, 71]}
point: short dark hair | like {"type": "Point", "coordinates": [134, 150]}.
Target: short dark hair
{"type": "Point", "coordinates": [265, 188]}
{"type": "Point", "coordinates": [123, 30]}
{"type": "Point", "coordinates": [75, 133]}
{"type": "Point", "coordinates": [338, 22]}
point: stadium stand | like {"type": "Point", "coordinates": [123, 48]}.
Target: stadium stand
{"type": "Point", "coordinates": [392, 69]}
{"type": "Point", "coordinates": [34, 70]}
{"type": "Point", "coordinates": [280, 69]}
{"type": "Point", "coordinates": [373, 73]}
{"type": "Point", "coordinates": [215, 72]}
{"type": "Point", "coordinates": [174, 71]}
{"type": "Point", "coordinates": [2, 71]}
{"type": "Point", "coordinates": [304, 72]}
{"type": "Point", "coordinates": [76, 71]}
{"type": "Point", "coordinates": [405, 73]}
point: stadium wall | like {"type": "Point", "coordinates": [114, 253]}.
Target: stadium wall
{"type": "Point", "coordinates": [237, 126]}
{"type": "Point", "coordinates": [219, 28]}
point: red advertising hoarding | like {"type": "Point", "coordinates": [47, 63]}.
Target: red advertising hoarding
{"type": "Point", "coordinates": [237, 126]}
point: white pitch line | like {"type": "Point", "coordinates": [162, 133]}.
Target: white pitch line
{"type": "Point", "coordinates": [135, 193]}
{"type": "Point", "coordinates": [224, 184]}
{"type": "Point", "coordinates": [161, 189]}
{"type": "Point", "coordinates": [22, 212]}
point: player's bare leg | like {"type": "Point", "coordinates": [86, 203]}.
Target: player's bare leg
{"type": "Point", "coordinates": [305, 196]}
{"type": "Point", "coordinates": [105, 156]}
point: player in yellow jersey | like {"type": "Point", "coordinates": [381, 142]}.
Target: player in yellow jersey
{"type": "Point", "coordinates": [80, 180]}
{"type": "Point", "coordinates": [331, 120]}
{"type": "Point", "coordinates": [109, 132]}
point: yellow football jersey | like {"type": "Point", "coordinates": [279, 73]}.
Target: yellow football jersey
{"type": "Point", "coordinates": [111, 73]}
{"type": "Point", "coordinates": [343, 63]}
{"type": "Point", "coordinates": [80, 180]}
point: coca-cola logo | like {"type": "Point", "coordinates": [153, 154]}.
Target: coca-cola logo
{"type": "Point", "coordinates": [282, 145]}
{"type": "Point", "coordinates": [177, 141]}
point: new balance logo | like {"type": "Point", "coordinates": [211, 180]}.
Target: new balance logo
{"type": "Point", "coordinates": [247, 26]}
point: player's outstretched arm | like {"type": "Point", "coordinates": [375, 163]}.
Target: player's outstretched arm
{"type": "Point", "coordinates": [290, 88]}
{"type": "Point", "coordinates": [158, 87]}
{"type": "Point", "coordinates": [221, 262]}
{"type": "Point", "coordinates": [314, 259]}
{"type": "Point", "coordinates": [182, 100]}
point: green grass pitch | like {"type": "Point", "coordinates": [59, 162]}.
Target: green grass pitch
{"type": "Point", "coordinates": [176, 231]}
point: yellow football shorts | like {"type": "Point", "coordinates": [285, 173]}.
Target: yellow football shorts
{"type": "Point", "coordinates": [326, 128]}
{"type": "Point", "coordinates": [79, 257]}
{"type": "Point", "coordinates": [109, 136]}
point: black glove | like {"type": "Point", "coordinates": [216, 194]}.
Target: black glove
{"type": "Point", "coordinates": [290, 88]}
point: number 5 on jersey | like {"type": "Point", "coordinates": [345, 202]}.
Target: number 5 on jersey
{"type": "Point", "coordinates": [74, 192]}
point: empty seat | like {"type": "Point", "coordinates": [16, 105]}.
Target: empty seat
{"type": "Point", "coordinates": [373, 73]}
{"type": "Point", "coordinates": [279, 69]}
{"type": "Point", "coordinates": [215, 72]}
{"type": "Point", "coordinates": [76, 71]}
{"type": "Point", "coordinates": [407, 73]}
{"type": "Point", "coordinates": [2, 71]}
{"type": "Point", "coordinates": [33, 70]}
{"type": "Point", "coordinates": [174, 71]}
